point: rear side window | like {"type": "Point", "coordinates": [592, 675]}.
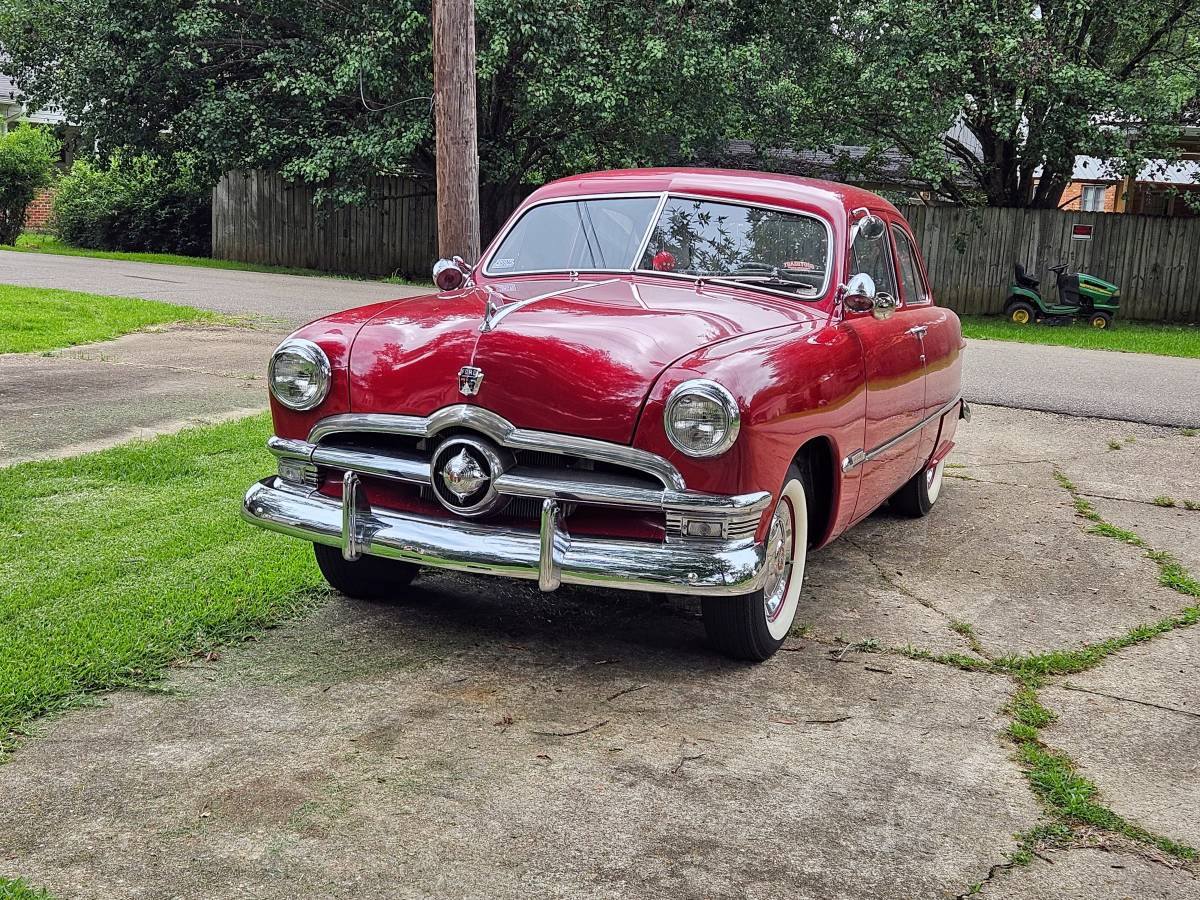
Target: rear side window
{"type": "Point", "coordinates": [910, 270]}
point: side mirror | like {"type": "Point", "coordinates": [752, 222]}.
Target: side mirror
{"type": "Point", "coordinates": [885, 305]}
{"type": "Point", "coordinates": [872, 228]}
{"type": "Point", "coordinates": [858, 294]}
{"type": "Point", "coordinates": [450, 274]}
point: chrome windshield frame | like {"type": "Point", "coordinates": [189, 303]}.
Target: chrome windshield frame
{"type": "Point", "coordinates": [632, 268]}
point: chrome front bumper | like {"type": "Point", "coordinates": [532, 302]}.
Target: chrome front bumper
{"type": "Point", "coordinates": [550, 556]}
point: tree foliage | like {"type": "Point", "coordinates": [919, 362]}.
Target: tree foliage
{"type": "Point", "coordinates": [998, 97]}
{"type": "Point", "coordinates": [982, 97]}
{"type": "Point", "coordinates": [27, 158]}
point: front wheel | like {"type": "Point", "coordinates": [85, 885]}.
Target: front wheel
{"type": "Point", "coordinates": [1020, 312]}
{"type": "Point", "coordinates": [754, 626]}
{"type": "Point", "coordinates": [1101, 320]}
{"type": "Point", "coordinates": [366, 578]}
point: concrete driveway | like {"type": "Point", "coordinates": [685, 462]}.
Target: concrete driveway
{"type": "Point", "coordinates": [480, 739]}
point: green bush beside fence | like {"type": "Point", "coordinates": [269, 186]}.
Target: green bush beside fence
{"type": "Point", "coordinates": [135, 203]}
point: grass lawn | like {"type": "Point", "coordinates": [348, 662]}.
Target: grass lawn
{"type": "Point", "coordinates": [43, 319]}
{"type": "Point", "coordinates": [48, 243]}
{"type": "Point", "coordinates": [1128, 337]}
{"type": "Point", "coordinates": [119, 562]}
{"type": "Point", "coordinates": [19, 890]}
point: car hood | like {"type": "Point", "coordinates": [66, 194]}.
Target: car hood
{"type": "Point", "coordinates": [569, 356]}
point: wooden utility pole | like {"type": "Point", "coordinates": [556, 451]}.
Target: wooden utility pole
{"type": "Point", "coordinates": [457, 146]}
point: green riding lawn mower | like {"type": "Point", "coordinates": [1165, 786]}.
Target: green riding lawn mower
{"type": "Point", "coordinates": [1079, 297]}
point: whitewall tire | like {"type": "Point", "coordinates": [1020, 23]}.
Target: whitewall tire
{"type": "Point", "coordinates": [921, 491]}
{"type": "Point", "coordinates": [754, 626]}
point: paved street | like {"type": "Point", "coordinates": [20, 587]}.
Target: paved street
{"type": "Point", "coordinates": [1129, 387]}
{"type": "Point", "coordinates": [1133, 387]}
{"type": "Point", "coordinates": [293, 299]}
{"type": "Point", "coordinates": [479, 739]}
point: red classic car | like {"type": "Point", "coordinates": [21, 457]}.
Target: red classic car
{"type": "Point", "coordinates": [673, 380]}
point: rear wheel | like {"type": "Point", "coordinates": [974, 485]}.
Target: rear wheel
{"type": "Point", "coordinates": [366, 578]}
{"type": "Point", "coordinates": [1101, 320]}
{"type": "Point", "coordinates": [920, 492]}
{"type": "Point", "coordinates": [1020, 312]}
{"type": "Point", "coordinates": [754, 626]}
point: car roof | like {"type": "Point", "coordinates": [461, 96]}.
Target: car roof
{"type": "Point", "coordinates": [769, 188]}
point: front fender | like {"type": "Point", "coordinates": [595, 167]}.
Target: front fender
{"type": "Point", "coordinates": [793, 385]}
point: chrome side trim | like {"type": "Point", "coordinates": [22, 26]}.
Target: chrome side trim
{"type": "Point", "coordinates": [504, 433]}
{"type": "Point", "coordinates": [725, 570]}
{"type": "Point", "coordinates": [858, 457]}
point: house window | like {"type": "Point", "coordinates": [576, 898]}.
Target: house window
{"type": "Point", "coordinates": [1092, 199]}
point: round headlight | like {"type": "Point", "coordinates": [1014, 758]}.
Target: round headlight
{"type": "Point", "coordinates": [702, 418]}
{"type": "Point", "coordinates": [299, 374]}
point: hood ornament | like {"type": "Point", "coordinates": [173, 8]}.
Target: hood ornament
{"type": "Point", "coordinates": [469, 380]}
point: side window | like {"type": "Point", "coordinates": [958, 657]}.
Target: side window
{"type": "Point", "coordinates": [910, 270]}
{"type": "Point", "coordinates": [874, 257]}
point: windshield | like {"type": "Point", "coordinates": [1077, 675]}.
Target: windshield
{"type": "Point", "coordinates": [574, 235]}
{"type": "Point", "coordinates": [782, 251]}
{"type": "Point", "coordinates": [750, 245]}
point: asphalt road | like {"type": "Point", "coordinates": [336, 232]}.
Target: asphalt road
{"type": "Point", "coordinates": [1131, 387]}
{"type": "Point", "coordinates": [1154, 390]}
{"type": "Point", "coordinates": [294, 299]}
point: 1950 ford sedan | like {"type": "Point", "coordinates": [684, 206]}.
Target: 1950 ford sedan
{"type": "Point", "coordinates": [672, 380]}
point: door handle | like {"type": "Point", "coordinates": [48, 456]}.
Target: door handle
{"type": "Point", "coordinates": [919, 330]}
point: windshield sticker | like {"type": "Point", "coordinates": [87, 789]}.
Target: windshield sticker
{"type": "Point", "coordinates": [505, 263]}
{"type": "Point", "coordinates": [802, 265]}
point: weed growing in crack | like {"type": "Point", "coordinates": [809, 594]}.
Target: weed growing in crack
{"type": "Point", "coordinates": [1115, 445]}
{"type": "Point", "coordinates": [1189, 432]}
{"type": "Point", "coordinates": [1052, 774]}
{"type": "Point", "coordinates": [1164, 500]}
{"type": "Point", "coordinates": [1193, 505]}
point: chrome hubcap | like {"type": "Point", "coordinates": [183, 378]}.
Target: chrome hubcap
{"type": "Point", "coordinates": [779, 559]}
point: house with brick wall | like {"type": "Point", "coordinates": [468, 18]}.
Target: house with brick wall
{"type": "Point", "coordinates": [13, 111]}
{"type": "Point", "coordinates": [1159, 189]}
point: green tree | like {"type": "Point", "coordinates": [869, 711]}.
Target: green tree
{"type": "Point", "coordinates": [27, 158]}
{"type": "Point", "coordinates": [332, 91]}
{"type": "Point", "coordinates": [1002, 95]}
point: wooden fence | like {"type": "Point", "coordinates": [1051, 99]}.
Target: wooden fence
{"type": "Point", "coordinates": [259, 217]}
{"type": "Point", "coordinates": [970, 255]}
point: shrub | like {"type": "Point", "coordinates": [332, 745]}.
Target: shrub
{"type": "Point", "coordinates": [139, 203]}
{"type": "Point", "coordinates": [27, 158]}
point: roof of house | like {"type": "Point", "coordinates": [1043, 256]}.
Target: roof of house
{"type": "Point", "coordinates": [11, 106]}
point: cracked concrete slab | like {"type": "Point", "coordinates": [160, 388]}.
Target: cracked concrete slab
{"type": "Point", "coordinates": [847, 598]}
{"type": "Point", "coordinates": [1092, 874]}
{"type": "Point", "coordinates": [1014, 563]}
{"type": "Point", "coordinates": [483, 741]}
{"type": "Point", "coordinates": [1133, 727]}
{"type": "Point", "coordinates": [1175, 529]}
{"type": "Point", "coordinates": [84, 398]}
